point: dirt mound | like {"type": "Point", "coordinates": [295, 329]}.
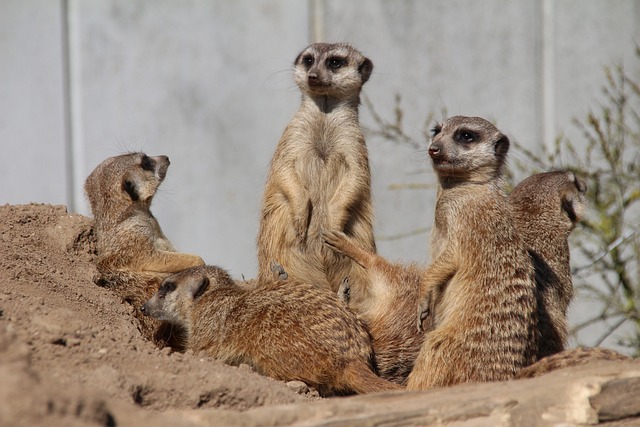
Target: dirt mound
{"type": "Point", "coordinates": [68, 347]}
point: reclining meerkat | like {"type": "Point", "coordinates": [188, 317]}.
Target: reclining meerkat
{"type": "Point", "coordinates": [546, 208]}
{"type": "Point", "coordinates": [288, 331]}
{"type": "Point", "coordinates": [319, 176]}
{"type": "Point", "coordinates": [480, 286]}
{"type": "Point", "coordinates": [387, 306]}
{"type": "Point", "coordinates": [134, 255]}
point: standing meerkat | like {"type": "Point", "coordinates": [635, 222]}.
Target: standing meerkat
{"type": "Point", "coordinates": [387, 307]}
{"type": "Point", "coordinates": [134, 255]}
{"type": "Point", "coordinates": [480, 285]}
{"type": "Point", "coordinates": [287, 332]}
{"type": "Point", "coordinates": [319, 175]}
{"type": "Point", "coordinates": [546, 208]}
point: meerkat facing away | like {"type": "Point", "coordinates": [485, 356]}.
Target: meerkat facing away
{"type": "Point", "coordinates": [546, 208]}
{"type": "Point", "coordinates": [387, 308]}
{"type": "Point", "coordinates": [319, 175]}
{"type": "Point", "coordinates": [567, 358]}
{"type": "Point", "coordinates": [288, 331]}
{"type": "Point", "coordinates": [134, 255]}
{"type": "Point", "coordinates": [480, 285]}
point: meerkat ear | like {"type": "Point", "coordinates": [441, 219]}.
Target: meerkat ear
{"type": "Point", "coordinates": [501, 146]}
{"type": "Point", "coordinates": [198, 287]}
{"type": "Point", "coordinates": [130, 188]}
{"type": "Point", "coordinates": [365, 69]}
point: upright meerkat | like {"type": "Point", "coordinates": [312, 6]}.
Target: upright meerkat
{"type": "Point", "coordinates": [546, 208]}
{"type": "Point", "coordinates": [480, 285]}
{"type": "Point", "coordinates": [287, 332]}
{"type": "Point", "coordinates": [319, 176]}
{"type": "Point", "coordinates": [134, 255]}
{"type": "Point", "coordinates": [387, 307]}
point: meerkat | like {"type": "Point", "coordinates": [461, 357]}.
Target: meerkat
{"type": "Point", "coordinates": [567, 358]}
{"type": "Point", "coordinates": [287, 332]}
{"type": "Point", "coordinates": [319, 176]}
{"type": "Point", "coordinates": [480, 286]}
{"type": "Point", "coordinates": [134, 255]}
{"type": "Point", "coordinates": [388, 307]}
{"type": "Point", "coordinates": [546, 208]}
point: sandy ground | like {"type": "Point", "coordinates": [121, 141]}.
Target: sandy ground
{"type": "Point", "coordinates": [69, 349]}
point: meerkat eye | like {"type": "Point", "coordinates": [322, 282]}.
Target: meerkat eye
{"type": "Point", "coordinates": [166, 288]}
{"type": "Point", "coordinates": [335, 62]}
{"type": "Point", "coordinates": [466, 136]}
{"type": "Point", "coordinates": [307, 61]}
{"type": "Point", "coordinates": [436, 129]}
{"type": "Point", "coordinates": [146, 163]}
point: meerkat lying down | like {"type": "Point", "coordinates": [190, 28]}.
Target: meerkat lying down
{"type": "Point", "coordinates": [288, 331]}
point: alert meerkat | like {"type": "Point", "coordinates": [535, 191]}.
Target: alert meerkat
{"type": "Point", "coordinates": [568, 358]}
{"type": "Point", "coordinates": [480, 286]}
{"type": "Point", "coordinates": [288, 331]}
{"type": "Point", "coordinates": [319, 176]}
{"type": "Point", "coordinates": [546, 208]}
{"type": "Point", "coordinates": [134, 255]}
{"type": "Point", "coordinates": [387, 308]}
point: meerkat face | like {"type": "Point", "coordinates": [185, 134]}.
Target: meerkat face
{"type": "Point", "coordinates": [124, 179]}
{"type": "Point", "coordinates": [176, 296]}
{"type": "Point", "coordinates": [336, 70]}
{"type": "Point", "coordinates": [462, 146]}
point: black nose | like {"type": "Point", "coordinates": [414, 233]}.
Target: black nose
{"type": "Point", "coordinates": [313, 76]}
{"type": "Point", "coordinates": [434, 150]}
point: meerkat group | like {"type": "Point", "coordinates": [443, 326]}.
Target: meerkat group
{"type": "Point", "coordinates": [325, 308]}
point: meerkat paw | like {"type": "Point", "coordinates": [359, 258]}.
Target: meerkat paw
{"type": "Point", "coordinates": [344, 291]}
{"type": "Point", "coordinates": [335, 239]}
{"type": "Point", "coordinates": [279, 270]}
{"type": "Point", "coordinates": [424, 311]}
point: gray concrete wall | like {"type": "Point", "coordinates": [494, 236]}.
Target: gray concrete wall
{"type": "Point", "coordinates": [208, 82]}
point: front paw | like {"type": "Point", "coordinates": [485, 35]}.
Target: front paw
{"type": "Point", "coordinates": [279, 270]}
{"type": "Point", "coordinates": [333, 238]}
{"type": "Point", "coordinates": [423, 312]}
{"type": "Point", "coordinates": [344, 291]}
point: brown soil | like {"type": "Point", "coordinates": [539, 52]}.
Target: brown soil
{"type": "Point", "coordinates": [71, 350]}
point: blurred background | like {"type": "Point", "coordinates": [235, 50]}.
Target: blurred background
{"type": "Point", "coordinates": [209, 83]}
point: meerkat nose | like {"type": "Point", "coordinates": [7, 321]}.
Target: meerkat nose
{"type": "Point", "coordinates": [434, 150]}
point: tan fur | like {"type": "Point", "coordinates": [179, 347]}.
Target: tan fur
{"type": "Point", "coordinates": [288, 331]}
{"type": "Point", "coordinates": [546, 208]}
{"type": "Point", "coordinates": [319, 176]}
{"type": "Point", "coordinates": [387, 308]}
{"type": "Point", "coordinates": [480, 284]}
{"type": "Point", "coordinates": [568, 358]}
{"type": "Point", "coordinates": [134, 255]}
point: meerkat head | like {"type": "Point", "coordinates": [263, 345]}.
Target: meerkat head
{"type": "Point", "coordinates": [336, 70]}
{"type": "Point", "coordinates": [119, 181]}
{"type": "Point", "coordinates": [557, 194]}
{"type": "Point", "coordinates": [468, 148]}
{"type": "Point", "coordinates": [176, 296]}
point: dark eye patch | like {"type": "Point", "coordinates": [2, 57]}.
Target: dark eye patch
{"type": "Point", "coordinates": [336, 62]}
{"type": "Point", "coordinates": [307, 60]}
{"type": "Point", "coordinates": [147, 163]}
{"type": "Point", "coordinates": [436, 129]}
{"type": "Point", "coordinates": [464, 135]}
{"type": "Point", "coordinates": [166, 288]}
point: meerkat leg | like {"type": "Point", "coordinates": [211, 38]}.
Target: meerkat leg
{"type": "Point", "coordinates": [345, 245]}
{"type": "Point", "coordinates": [170, 262]}
{"type": "Point", "coordinates": [279, 270]}
{"type": "Point", "coordinates": [436, 275]}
